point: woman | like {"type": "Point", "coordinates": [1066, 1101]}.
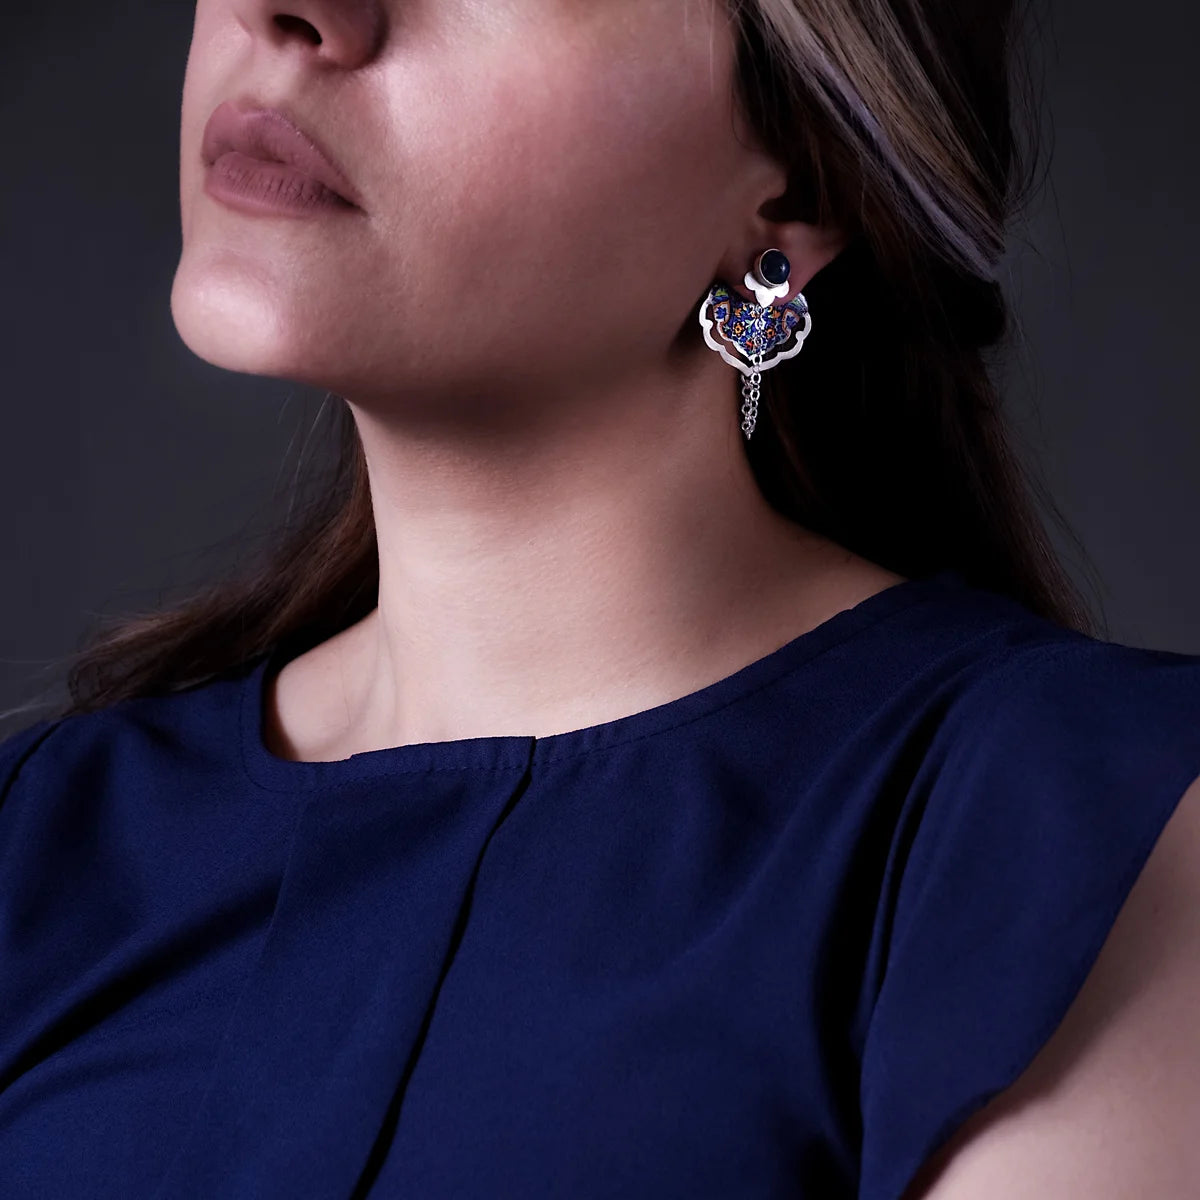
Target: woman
{"type": "Point", "coordinates": [670, 762]}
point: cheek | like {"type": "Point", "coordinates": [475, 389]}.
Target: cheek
{"type": "Point", "coordinates": [564, 205]}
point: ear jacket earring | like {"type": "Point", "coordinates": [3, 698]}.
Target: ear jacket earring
{"type": "Point", "coordinates": [756, 336]}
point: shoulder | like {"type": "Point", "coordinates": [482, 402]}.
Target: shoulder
{"type": "Point", "coordinates": [1075, 708]}
{"type": "Point", "coordinates": [16, 748]}
{"type": "Point", "coordinates": [120, 829]}
{"type": "Point", "coordinates": [1107, 1107]}
{"type": "Point", "coordinates": [1054, 773]}
{"type": "Point", "coordinates": [137, 764]}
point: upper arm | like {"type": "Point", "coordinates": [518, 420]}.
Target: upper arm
{"type": "Point", "coordinates": [1109, 1108]}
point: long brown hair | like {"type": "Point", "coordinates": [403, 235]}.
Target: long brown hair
{"type": "Point", "coordinates": [896, 119]}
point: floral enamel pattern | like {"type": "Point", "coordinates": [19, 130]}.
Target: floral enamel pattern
{"type": "Point", "coordinates": [733, 319]}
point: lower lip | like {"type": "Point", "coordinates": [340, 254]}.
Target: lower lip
{"type": "Point", "coordinates": [270, 188]}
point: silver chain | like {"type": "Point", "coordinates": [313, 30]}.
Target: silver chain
{"type": "Point", "coordinates": [751, 390]}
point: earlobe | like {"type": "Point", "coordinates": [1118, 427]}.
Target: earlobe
{"type": "Point", "coordinates": [807, 247]}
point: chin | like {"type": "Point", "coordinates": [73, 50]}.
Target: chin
{"type": "Point", "coordinates": [230, 323]}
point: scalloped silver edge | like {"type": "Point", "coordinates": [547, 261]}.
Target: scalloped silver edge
{"type": "Point", "coordinates": [746, 369]}
{"type": "Point", "coordinates": [764, 293]}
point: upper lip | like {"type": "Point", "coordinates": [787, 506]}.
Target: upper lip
{"type": "Point", "coordinates": [273, 136]}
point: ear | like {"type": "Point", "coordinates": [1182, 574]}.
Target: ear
{"type": "Point", "coordinates": [808, 247]}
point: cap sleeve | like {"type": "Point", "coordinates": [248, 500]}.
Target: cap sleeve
{"type": "Point", "coordinates": [1014, 852]}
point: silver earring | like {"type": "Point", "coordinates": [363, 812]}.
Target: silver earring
{"type": "Point", "coordinates": [756, 336]}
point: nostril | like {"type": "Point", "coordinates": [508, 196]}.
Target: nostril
{"type": "Point", "coordinates": [305, 29]}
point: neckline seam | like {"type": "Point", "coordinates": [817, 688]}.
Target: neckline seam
{"type": "Point", "coordinates": [312, 774]}
{"type": "Point", "coordinates": [783, 673]}
{"type": "Point", "coordinates": [317, 781]}
{"type": "Point", "coordinates": [309, 775]}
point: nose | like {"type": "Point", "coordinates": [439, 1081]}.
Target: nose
{"type": "Point", "coordinates": [345, 33]}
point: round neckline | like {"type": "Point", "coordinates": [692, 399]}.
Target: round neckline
{"type": "Point", "coordinates": [519, 752]}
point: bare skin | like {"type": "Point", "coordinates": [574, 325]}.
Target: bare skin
{"type": "Point", "coordinates": [569, 531]}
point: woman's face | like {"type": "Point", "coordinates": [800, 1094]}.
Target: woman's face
{"type": "Point", "coordinates": [547, 187]}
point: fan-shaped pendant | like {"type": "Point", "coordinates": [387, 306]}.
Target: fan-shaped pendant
{"type": "Point", "coordinates": [736, 321]}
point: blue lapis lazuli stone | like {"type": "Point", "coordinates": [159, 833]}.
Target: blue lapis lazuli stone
{"type": "Point", "coordinates": [775, 267]}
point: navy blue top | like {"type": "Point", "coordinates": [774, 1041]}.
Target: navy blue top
{"type": "Point", "coordinates": [777, 938]}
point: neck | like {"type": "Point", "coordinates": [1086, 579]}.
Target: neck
{"type": "Point", "coordinates": [570, 572]}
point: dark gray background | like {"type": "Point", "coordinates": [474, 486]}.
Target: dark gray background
{"type": "Point", "coordinates": [130, 470]}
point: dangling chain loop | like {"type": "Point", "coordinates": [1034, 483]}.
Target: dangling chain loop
{"type": "Point", "coordinates": [751, 383]}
